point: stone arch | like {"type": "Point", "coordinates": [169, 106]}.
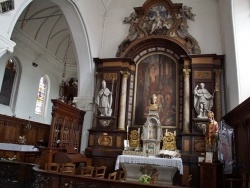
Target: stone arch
{"type": "Point", "coordinates": [83, 54]}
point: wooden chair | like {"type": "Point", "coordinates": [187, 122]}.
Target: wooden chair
{"type": "Point", "coordinates": [68, 168]}
{"type": "Point", "coordinates": [189, 180]}
{"type": "Point", "coordinates": [112, 176]}
{"type": "Point", "coordinates": [87, 171]}
{"type": "Point", "coordinates": [100, 171]}
{"type": "Point", "coordinates": [121, 175]}
{"type": "Point", "coordinates": [52, 167]}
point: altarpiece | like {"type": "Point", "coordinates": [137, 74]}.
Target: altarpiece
{"type": "Point", "coordinates": [158, 56]}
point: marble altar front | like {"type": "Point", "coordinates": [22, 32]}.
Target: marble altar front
{"type": "Point", "coordinates": [173, 162]}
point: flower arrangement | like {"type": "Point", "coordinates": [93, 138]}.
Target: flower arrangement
{"type": "Point", "coordinates": [21, 140]}
{"type": "Point", "coordinates": [145, 178]}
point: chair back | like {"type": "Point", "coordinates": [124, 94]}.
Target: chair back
{"type": "Point", "coordinates": [100, 171]}
{"type": "Point", "coordinates": [87, 171]}
{"type": "Point", "coordinates": [68, 168]}
{"type": "Point", "coordinates": [52, 167]}
{"type": "Point", "coordinates": [121, 175]}
{"type": "Point", "coordinates": [112, 176]}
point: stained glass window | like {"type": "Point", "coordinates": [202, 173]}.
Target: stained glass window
{"type": "Point", "coordinates": [41, 96]}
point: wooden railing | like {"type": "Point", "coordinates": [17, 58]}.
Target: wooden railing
{"type": "Point", "coordinates": [24, 175]}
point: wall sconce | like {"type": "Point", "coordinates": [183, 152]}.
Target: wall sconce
{"type": "Point", "coordinates": [34, 64]}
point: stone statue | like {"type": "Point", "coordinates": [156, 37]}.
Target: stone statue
{"type": "Point", "coordinates": [212, 130]}
{"type": "Point", "coordinates": [203, 100]}
{"type": "Point", "coordinates": [104, 100]}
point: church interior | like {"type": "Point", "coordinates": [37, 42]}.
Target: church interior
{"type": "Point", "coordinates": [114, 93]}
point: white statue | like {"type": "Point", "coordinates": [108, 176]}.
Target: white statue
{"type": "Point", "coordinates": [157, 21]}
{"type": "Point", "coordinates": [104, 100]}
{"type": "Point", "coordinates": [203, 100]}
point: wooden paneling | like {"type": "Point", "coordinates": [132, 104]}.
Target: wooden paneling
{"type": "Point", "coordinates": [239, 119]}
{"type": "Point", "coordinates": [36, 133]}
{"type": "Point", "coordinates": [11, 128]}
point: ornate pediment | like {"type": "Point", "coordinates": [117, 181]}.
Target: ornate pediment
{"type": "Point", "coordinates": [161, 19]}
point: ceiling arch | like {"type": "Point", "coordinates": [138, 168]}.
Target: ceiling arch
{"type": "Point", "coordinates": [44, 22]}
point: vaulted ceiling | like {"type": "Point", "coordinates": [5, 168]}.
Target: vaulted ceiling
{"type": "Point", "coordinates": [44, 22]}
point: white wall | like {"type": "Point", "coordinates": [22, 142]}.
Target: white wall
{"type": "Point", "coordinates": [28, 87]}
{"type": "Point", "coordinates": [241, 10]}
{"type": "Point", "coordinates": [228, 45]}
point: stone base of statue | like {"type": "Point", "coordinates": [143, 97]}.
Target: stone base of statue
{"type": "Point", "coordinates": [106, 122]}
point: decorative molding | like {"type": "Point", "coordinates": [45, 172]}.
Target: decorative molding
{"type": "Point", "coordinates": [6, 45]}
{"type": "Point", "coordinates": [35, 51]}
{"type": "Point", "coordinates": [202, 75]}
{"type": "Point", "coordinates": [110, 76]}
{"type": "Point", "coordinates": [105, 140]}
{"type": "Point", "coordinates": [199, 145]}
{"type": "Point", "coordinates": [160, 19]}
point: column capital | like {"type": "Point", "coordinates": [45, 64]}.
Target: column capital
{"type": "Point", "coordinates": [6, 45]}
{"type": "Point", "coordinates": [125, 74]}
{"type": "Point", "coordinates": [186, 72]}
{"type": "Point", "coordinates": [217, 71]}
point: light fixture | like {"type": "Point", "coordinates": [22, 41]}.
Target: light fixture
{"type": "Point", "coordinates": [34, 64]}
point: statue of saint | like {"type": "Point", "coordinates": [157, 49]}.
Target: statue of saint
{"type": "Point", "coordinates": [212, 130]}
{"type": "Point", "coordinates": [153, 105]}
{"type": "Point", "coordinates": [203, 100]}
{"type": "Point", "coordinates": [104, 100]}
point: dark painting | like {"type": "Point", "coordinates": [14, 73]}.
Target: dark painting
{"type": "Point", "coordinates": [156, 74]}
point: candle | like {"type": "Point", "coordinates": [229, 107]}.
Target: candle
{"type": "Point", "coordinates": [174, 133]}
{"type": "Point", "coordinates": [127, 128]}
{"type": "Point", "coordinates": [166, 131]}
{"type": "Point", "coordinates": [138, 131]}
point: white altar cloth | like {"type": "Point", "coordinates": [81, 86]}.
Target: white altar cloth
{"type": "Point", "coordinates": [17, 147]}
{"type": "Point", "coordinates": [174, 162]}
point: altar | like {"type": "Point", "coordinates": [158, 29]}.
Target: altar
{"type": "Point", "coordinates": [173, 162]}
{"type": "Point", "coordinates": [19, 152]}
{"type": "Point", "coordinates": [164, 169]}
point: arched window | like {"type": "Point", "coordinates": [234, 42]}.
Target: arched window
{"type": "Point", "coordinates": [10, 83]}
{"type": "Point", "coordinates": [42, 96]}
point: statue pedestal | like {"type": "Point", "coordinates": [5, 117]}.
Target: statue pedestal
{"type": "Point", "coordinates": [106, 122]}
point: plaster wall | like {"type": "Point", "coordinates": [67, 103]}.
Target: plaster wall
{"type": "Point", "coordinates": [28, 87]}
{"type": "Point", "coordinates": [241, 18]}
